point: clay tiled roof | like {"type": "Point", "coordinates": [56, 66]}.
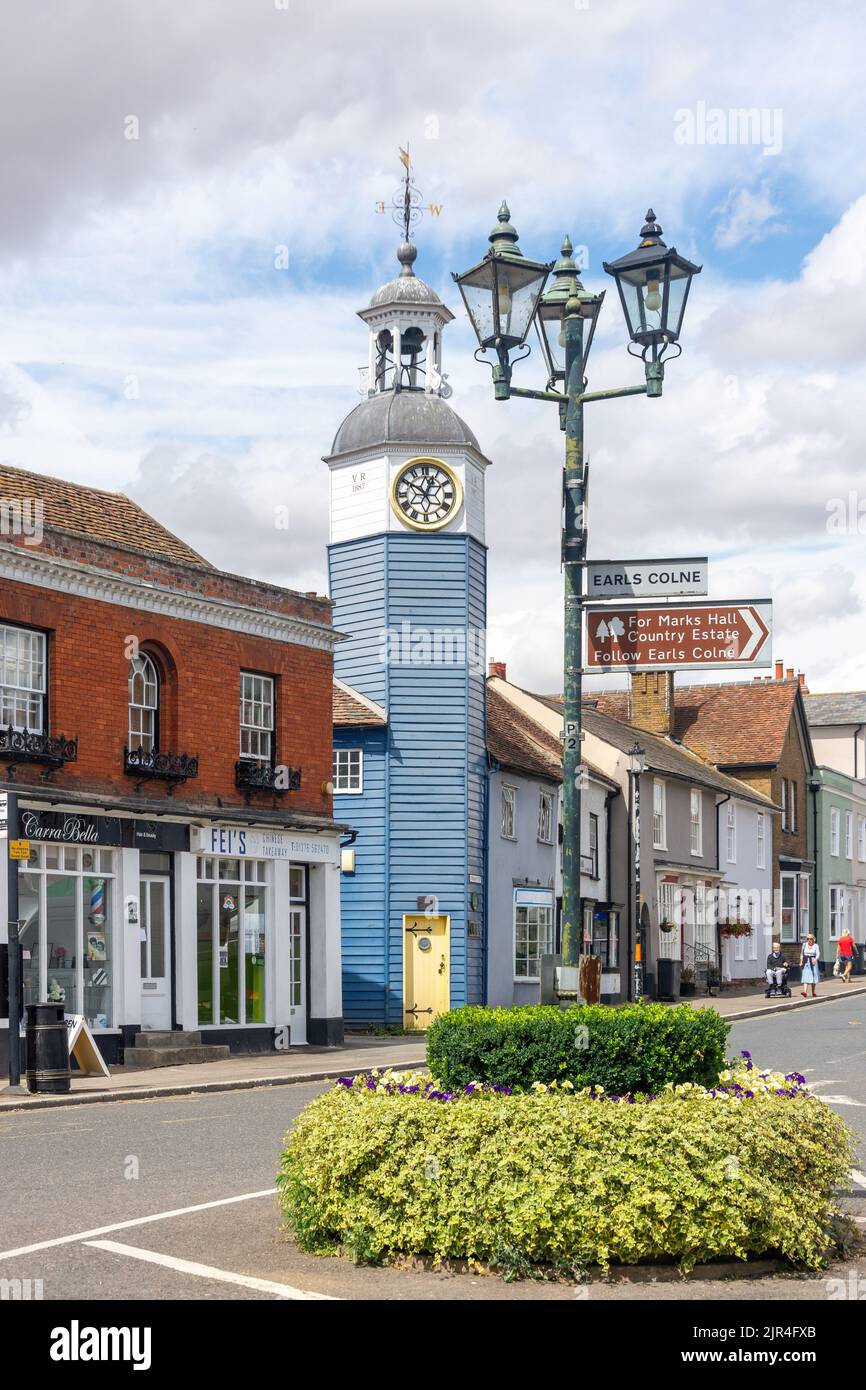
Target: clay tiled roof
{"type": "Point", "coordinates": [95, 514]}
{"type": "Point", "coordinates": [662, 755]}
{"type": "Point", "coordinates": [515, 740]}
{"type": "Point", "coordinates": [733, 725]}
{"type": "Point", "coordinates": [352, 709]}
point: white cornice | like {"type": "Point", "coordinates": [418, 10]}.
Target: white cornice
{"type": "Point", "coordinates": [22, 566]}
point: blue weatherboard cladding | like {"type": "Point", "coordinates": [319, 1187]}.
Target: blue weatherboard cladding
{"type": "Point", "coordinates": [421, 814]}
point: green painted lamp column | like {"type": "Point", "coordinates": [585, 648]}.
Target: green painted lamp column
{"type": "Point", "coordinates": [573, 546]}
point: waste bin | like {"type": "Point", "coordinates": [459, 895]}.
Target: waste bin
{"type": "Point", "coordinates": [669, 978]}
{"type": "Point", "coordinates": [46, 1050]}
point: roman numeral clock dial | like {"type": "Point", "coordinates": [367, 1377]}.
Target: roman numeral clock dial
{"type": "Point", "coordinates": [426, 494]}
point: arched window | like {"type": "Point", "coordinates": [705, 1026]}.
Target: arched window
{"type": "Point", "coordinates": [143, 703]}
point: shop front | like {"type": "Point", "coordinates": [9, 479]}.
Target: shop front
{"type": "Point", "coordinates": [160, 926]}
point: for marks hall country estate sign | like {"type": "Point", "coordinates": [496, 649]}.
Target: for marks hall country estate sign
{"type": "Point", "coordinates": [678, 636]}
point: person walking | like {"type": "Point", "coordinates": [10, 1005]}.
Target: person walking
{"type": "Point", "coordinates": [845, 949]}
{"type": "Point", "coordinates": [809, 957]}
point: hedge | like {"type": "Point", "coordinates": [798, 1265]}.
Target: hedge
{"type": "Point", "coordinates": [562, 1180]}
{"type": "Point", "coordinates": [639, 1047]}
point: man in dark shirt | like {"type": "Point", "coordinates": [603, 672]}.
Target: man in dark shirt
{"type": "Point", "coordinates": [776, 966]}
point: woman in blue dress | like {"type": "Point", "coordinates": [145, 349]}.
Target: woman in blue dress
{"type": "Point", "coordinates": [809, 957]}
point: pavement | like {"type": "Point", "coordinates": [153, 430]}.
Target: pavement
{"type": "Point", "coordinates": [747, 1001]}
{"type": "Point", "coordinates": [172, 1198]}
{"type": "Point", "coordinates": [360, 1053]}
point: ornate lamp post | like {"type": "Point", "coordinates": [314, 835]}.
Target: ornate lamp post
{"type": "Point", "coordinates": [504, 295]}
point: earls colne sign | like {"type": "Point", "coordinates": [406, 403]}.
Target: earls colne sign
{"type": "Point", "coordinates": [678, 636]}
{"type": "Point", "coordinates": [646, 578]}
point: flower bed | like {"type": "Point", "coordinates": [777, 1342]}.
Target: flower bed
{"type": "Point", "coordinates": [639, 1047]}
{"type": "Point", "coordinates": [397, 1164]}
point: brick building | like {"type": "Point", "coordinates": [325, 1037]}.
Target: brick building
{"type": "Point", "coordinates": [756, 731]}
{"type": "Point", "coordinates": [166, 735]}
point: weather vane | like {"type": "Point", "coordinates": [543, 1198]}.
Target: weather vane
{"type": "Point", "coordinates": [406, 208]}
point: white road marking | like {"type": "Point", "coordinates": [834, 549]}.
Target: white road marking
{"type": "Point", "coordinates": [225, 1276]}
{"type": "Point", "coordinates": [127, 1225]}
{"type": "Point", "coordinates": [859, 1178]}
{"type": "Point", "coordinates": [844, 1100]}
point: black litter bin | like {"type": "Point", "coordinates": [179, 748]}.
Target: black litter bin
{"type": "Point", "coordinates": [669, 978]}
{"type": "Point", "coordinates": [46, 1050]}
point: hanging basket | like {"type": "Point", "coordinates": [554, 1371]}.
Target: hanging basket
{"type": "Point", "coordinates": [735, 929]}
{"type": "Point", "coordinates": [667, 927]}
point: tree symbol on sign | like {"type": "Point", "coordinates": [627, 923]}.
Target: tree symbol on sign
{"type": "Point", "coordinates": [617, 627]}
{"type": "Point", "coordinates": [602, 631]}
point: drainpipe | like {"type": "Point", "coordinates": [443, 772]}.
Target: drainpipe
{"type": "Point", "coordinates": [857, 732]}
{"type": "Point", "coordinates": [815, 788]}
{"type": "Point", "coordinates": [719, 804]}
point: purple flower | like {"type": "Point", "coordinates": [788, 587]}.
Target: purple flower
{"type": "Point", "coordinates": [347, 1081]}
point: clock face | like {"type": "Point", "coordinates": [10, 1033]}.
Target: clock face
{"type": "Point", "coordinates": [426, 494]}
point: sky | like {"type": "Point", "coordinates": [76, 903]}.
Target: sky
{"type": "Point", "coordinates": [188, 225]}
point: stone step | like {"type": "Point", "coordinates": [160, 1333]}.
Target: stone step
{"type": "Point", "coordinates": [156, 1039]}
{"type": "Point", "coordinates": [143, 1058]}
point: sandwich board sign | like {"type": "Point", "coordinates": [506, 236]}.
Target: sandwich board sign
{"type": "Point", "coordinates": [82, 1046]}
{"type": "Point", "coordinates": [679, 636]}
{"type": "Point", "coordinates": [646, 578]}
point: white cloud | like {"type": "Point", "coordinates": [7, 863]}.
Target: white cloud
{"type": "Point", "coordinates": [153, 345]}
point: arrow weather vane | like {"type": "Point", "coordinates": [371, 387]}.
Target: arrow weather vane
{"type": "Point", "coordinates": [406, 209]}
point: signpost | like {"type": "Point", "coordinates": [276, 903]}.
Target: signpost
{"type": "Point", "coordinates": [678, 636]}
{"type": "Point", "coordinates": [612, 579]}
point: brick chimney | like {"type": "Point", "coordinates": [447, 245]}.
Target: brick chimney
{"type": "Point", "coordinates": [651, 701]}
{"type": "Point", "coordinates": [780, 666]}
{"type": "Point", "coordinates": [497, 668]}
{"type": "Point", "coordinates": [803, 686]}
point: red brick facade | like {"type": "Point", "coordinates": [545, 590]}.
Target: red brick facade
{"type": "Point", "coordinates": [89, 644]}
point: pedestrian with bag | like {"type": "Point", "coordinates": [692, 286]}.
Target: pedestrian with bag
{"type": "Point", "coordinates": [809, 958]}
{"type": "Point", "coordinates": [845, 949]}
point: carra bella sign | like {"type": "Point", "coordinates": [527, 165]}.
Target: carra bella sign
{"type": "Point", "coordinates": [70, 828]}
{"type": "Point", "coordinates": [678, 636]}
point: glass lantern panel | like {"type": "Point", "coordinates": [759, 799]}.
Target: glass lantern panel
{"type": "Point", "coordinates": [478, 293]}
{"type": "Point", "coordinates": [677, 292]}
{"type": "Point", "coordinates": [635, 309]}
{"type": "Point", "coordinates": [517, 290]}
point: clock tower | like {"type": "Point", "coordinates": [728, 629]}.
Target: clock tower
{"type": "Point", "coordinates": [407, 564]}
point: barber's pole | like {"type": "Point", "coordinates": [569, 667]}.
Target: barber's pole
{"type": "Point", "coordinates": [96, 916]}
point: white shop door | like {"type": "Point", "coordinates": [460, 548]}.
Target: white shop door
{"type": "Point", "coordinates": [155, 956]}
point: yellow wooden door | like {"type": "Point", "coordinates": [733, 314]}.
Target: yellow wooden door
{"type": "Point", "coordinates": [426, 969]}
